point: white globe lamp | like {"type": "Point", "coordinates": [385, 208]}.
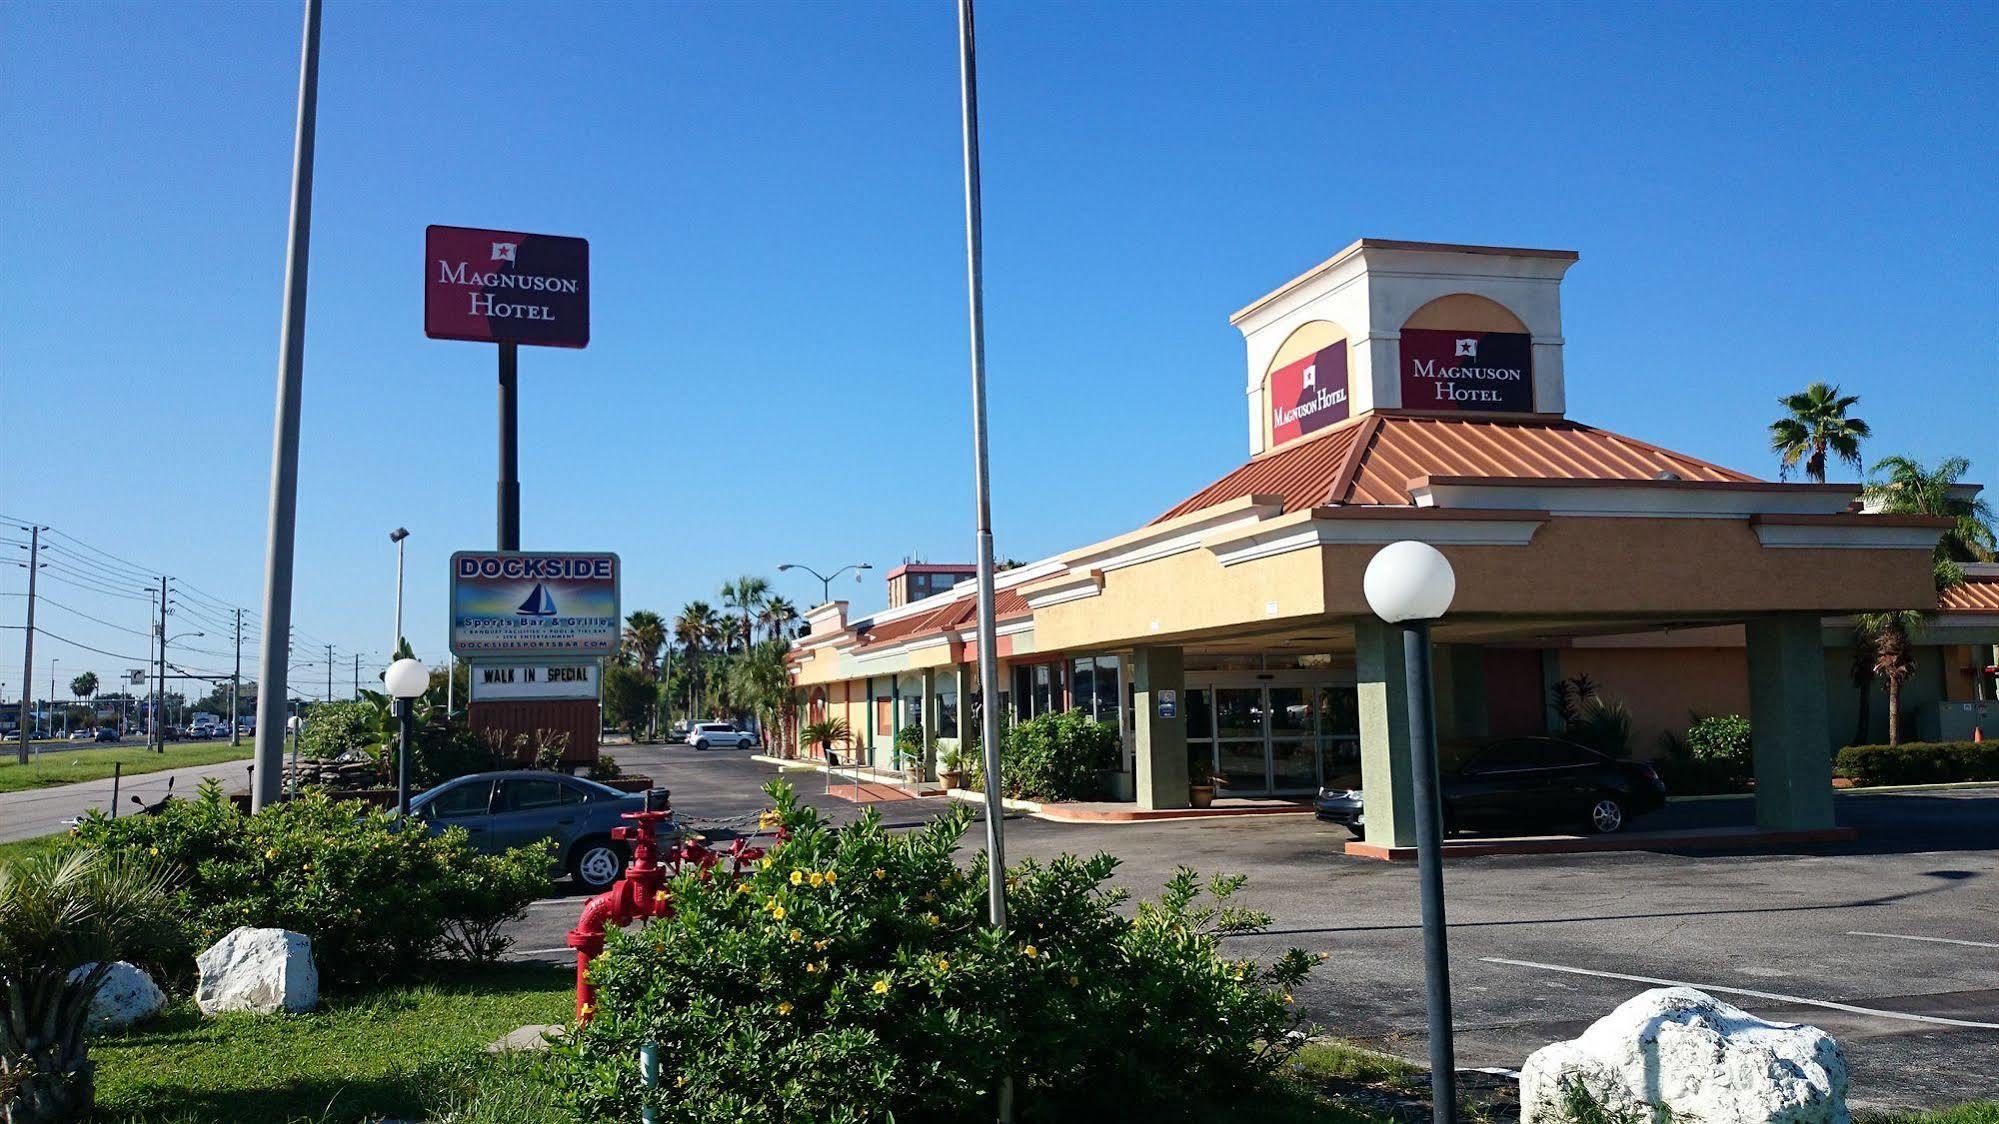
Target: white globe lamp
{"type": "Point", "coordinates": [1409, 581]}
{"type": "Point", "coordinates": [407, 678]}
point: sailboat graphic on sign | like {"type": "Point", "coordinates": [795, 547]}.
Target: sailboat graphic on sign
{"type": "Point", "coordinates": [538, 604]}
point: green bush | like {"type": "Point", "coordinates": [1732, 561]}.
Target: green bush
{"type": "Point", "coordinates": [1719, 737]}
{"type": "Point", "coordinates": [908, 746]}
{"type": "Point", "coordinates": [1919, 763]}
{"type": "Point", "coordinates": [1053, 757]}
{"type": "Point", "coordinates": [331, 729]}
{"type": "Point", "coordinates": [376, 899]}
{"type": "Point", "coordinates": [851, 975]}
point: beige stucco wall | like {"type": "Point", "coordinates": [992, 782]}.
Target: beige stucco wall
{"type": "Point", "coordinates": [1660, 685]}
{"type": "Point", "coordinates": [1183, 593]}
{"type": "Point", "coordinates": [1465, 312]}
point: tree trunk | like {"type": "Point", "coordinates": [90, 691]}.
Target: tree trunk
{"type": "Point", "coordinates": [1894, 710]}
{"type": "Point", "coordinates": [1863, 723]}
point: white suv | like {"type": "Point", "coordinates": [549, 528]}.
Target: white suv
{"type": "Point", "coordinates": [709, 735]}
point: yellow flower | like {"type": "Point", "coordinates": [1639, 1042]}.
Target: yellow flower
{"type": "Point", "coordinates": [660, 896]}
{"type": "Point", "coordinates": [777, 911]}
{"type": "Point", "coordinates": [818, 879]}
{"type": "Point", "coordinates": [820, 944]}
{"type": "Point", "coordinates": [784, 1008]}
{"type": "Point", "coordinates": [881, 986]}
{"type": "Point", "coordinates": [810, 967]}
{"type": "Point", "coordinates": [156, 850]}
{"type": "Point", "coordinates": [932, 918]}
{"type": "Point", "coordinates": [742, 887]}
{"type": "Point", "coordinates": [680, 1080]}
{"type": "Point", "coordinates": [1073, 981]}
{"type": "Point", "coordinates": [586, 1009]}
{"type": "Point", "coordinates": [796, 935]}
{"type": "Point", "coordinates": [879, 872]}
{"type": "Point", "coordinates": [943, 965]}
{"type": "Point", "coordinates": [797, 877]}
{"type": "Point", "coordinates": [1287, 997]}
{"type": "Point", "coordinates": [271, 854]}
{"type": "Point", "coordinates": [1030, 952]}
{"type": "Point", "coordinates": [832, 876]}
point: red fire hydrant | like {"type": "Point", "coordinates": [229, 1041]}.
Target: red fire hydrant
{"type": "Point", "coordinates": [634, 897]}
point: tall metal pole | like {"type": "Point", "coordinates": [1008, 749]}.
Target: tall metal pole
{"type": "Point", "coordinates": [510, 466]}
{"type": "Point", "coordinates": [357, 675]}
{"type": "Point", "coordinates": [403, 757]}
{"type": "Point", "coordinates": [236, 688]}
{"type": "Point", "coordinates": [397, 644]}
{"type": "Point", "coordinates": [329, 673]}
{"type": "Point", "coordinates": [28, 655]}
{"type": "Point", "coordinates": [1430, 869]}
{"type": "Point", "coordinates": [273, 686]}
{"type": "Point", "coordinates": [160, 680]}
{"type": "Point", "coordinates": [968, 90]}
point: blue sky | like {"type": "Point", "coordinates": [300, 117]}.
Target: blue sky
{"type": "Point", "coordinates": [1762, 195]}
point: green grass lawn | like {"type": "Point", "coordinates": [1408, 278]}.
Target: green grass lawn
{"type": "Point", "coordinates": [62, 764]}
{"type": "Point", "coordinates": [408, 1053]}
{"type": "Point", "coordinates": [28, 848]}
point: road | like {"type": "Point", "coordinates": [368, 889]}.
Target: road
{"type": "Point", "coordinates": [42, 811]}
{"type": "Point", "coordinates": [1891, 943]}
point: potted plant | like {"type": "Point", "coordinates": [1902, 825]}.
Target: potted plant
{"type": "Point", "coordinates": [951, 767]}
{"type": "Point", "coordinates": [1201, 782]}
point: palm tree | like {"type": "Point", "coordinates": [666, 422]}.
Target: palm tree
{"type": "Point", "coordinates": [760, 682]}
{"type": "Point", "coordinates": [1863, 674]}
{"type": "Point", "coordinates": [1901, 486]}
{"type": "Point", "coordinates": [645, 635]}
{"type": "Point", "coordinates": [1815, 425]}
{"type": "Point", "coordinates": [84, 686]}
{"type": "Point", "coordinates": [745, 596]}
{"type": "Point", "coordinates": [826, 734]}
{"type": "Point", "coordinates": [779, 615]}
{"type": "Point", "coordinates": [696, 628]}
{"type": "Point", "coordinates": [1889, 636]}
{"type": "Point", "coordinates": [56, 914]}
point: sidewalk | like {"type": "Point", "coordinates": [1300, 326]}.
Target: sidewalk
{"type": "Point", "coordinates": [41, 811]}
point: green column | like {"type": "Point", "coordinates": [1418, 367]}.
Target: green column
{"type": "Point", "coordinates": [1461, 709]}
{"type": "Point", "coordinates": [867, 757]}
{"type": "Point", "coordinates": [929, 711]}
{"type": "Point", "coordinates": [1788, 720]}
{"type": "Point", "coordinates": [968, 678]}
{"type": "Point", "coordinates": [1161, 749]}
{"type": "Point", "coordinates": [1385, 773]}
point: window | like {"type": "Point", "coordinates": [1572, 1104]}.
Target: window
{"type": "Point", "coordinates": [464, 800]}
{"type": "Point", "coordinates": [530, 795]}
{"type": "Point", "coordinates": [1095, 688]}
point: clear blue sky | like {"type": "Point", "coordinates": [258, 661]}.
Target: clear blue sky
{"type": "Point", "coordinates": [1761, 195]}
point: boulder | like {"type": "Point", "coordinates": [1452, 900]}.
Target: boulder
{"type": "Point", "coordinates": [262, 970]}
{"type": "Point", "coordinates": [125, 996]}
{"type": "Point", "coordinates": [1677, 1053]}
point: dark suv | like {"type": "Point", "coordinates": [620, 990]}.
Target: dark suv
{"type": "Point", "coordinates": [1510, 783]}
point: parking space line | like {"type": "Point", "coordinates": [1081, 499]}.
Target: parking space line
{"type": "Point", "coordinates": [540, 951]}
{"type": "Point", "coordinates": [1770, 995]}
{"type": "Point", "coordinates": [1931, 940]}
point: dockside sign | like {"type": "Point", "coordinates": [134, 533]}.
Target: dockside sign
{"type": "Point", "coordinates": [512, 604]}
{"type": "Point", "coordinates": [1309, 394]}
{"type": "Point", "coordinates": [500, 286]}
{"type": "Point", "coordinates": [1467, 371]}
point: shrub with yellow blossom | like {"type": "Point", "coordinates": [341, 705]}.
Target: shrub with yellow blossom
{"type": "Point", "coordinates": [880, 991]}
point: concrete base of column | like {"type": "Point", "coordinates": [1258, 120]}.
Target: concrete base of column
{"type": "Point", "coordinates": [1387, 776]}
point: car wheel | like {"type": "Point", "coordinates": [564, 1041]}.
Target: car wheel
{"type": "Point", "coordinates": [749, 743]}
{"type": "Point", "coordinates": [1359, 830]}
{"type": "Point", "coordinates": [597, 863]}
{"type": "Point", "coordinates": [1606, 816]}
{"type": "Point", "coordinates": [699, 746]}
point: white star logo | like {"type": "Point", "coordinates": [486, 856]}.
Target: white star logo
{"type": "Point", "coordinates": [1468, 348]}
{"type": "Point", "coordinates": [504, 251]}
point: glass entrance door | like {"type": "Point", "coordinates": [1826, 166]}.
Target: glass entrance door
{"type": "Point", "coordinates": [1269, 739]}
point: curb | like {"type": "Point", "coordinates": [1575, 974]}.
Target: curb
{"type": "Point", "coordinates": [1710, 839]}
{"type": "Point", "coordinates": [1060, 813]}
{"type": "Point", "coordinates": [1945, 786]}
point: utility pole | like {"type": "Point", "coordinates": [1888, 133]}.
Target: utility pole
{"type": "Point", "coordinates": [28, 656]}
{"type": "Point", "coordinates": [357, 675]}
{"type": "Point", "coordinates": [236, 687]}
{"type": "Point", "coordinates": [329, 673]}
{"type": "Point", "coordinates": [273, 684]}
{"type": "Point", "coordinates": [160, 680]}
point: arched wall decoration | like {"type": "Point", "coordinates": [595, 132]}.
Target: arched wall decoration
{"type": "Point", "coordinates": [1467, 353]}
{"type": "Point", "coordinates": [1306, 386]}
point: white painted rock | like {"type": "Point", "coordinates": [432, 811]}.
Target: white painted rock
{"type": "Point", "coordinates": [1682, 1051]}
{"type": "Point", "coordinates": [126, 995]}
{"type": "Point", "coordinates": [262, 970]}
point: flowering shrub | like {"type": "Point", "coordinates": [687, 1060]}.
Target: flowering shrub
{"type": "Point", "coordinates": [1054, 756]}
{"type": "Point", "coordinates": [851, 975]}
{"type": "Point", "coordinates": [376, 899]}
{"type": "Point", "coordinates": [1719, 737]}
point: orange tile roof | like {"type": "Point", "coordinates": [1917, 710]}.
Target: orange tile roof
{"type": "Point", "coordinates": [960, 612]}
{"type": "Point", "coordinates": [1370, 460]}
{"type": "Point", "coordinates": [1976, 595]}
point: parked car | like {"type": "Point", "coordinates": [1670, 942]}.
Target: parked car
{"type": "Point", "coordinates": [676, 734]}
{"type": "Point", "coordinates": [717, 735]}
{"type": "Point", "coordinates": [105, 734]}
{"type": "Point", "coordinates": [512, 808]}
{"type": "Point", "coordinates": [1510, 783]}
{"type": "Point", "coordinates": [206, 727]}
{"type": "Point", "coordinates": [246, 726]}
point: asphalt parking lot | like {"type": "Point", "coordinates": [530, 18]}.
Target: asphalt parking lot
{"type": "Point", "coordinates": [1891, 942]}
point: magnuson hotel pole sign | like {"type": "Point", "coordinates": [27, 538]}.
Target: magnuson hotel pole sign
{"type": "Point", "coordinates": [1309, 394]}
{"type": "Point", "coordinates": [501, 286]}
{"type": "Point", "coordinates": [517, 606]}
{"type": "Point", "coordinates": [1467, 371]}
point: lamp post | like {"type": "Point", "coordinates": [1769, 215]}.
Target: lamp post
{"type": "Point", "coordinates": [406, 679]}
{"type": "Point", "coordinates": [397, 536]}
{"type": "Point", "coordinates": [1411, 584]}
{"type": "Point", "coordinates": [825, 581]}
{"type": "Point", "coordinates": [52, 698]}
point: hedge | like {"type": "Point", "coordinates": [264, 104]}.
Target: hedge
{"type": "Point", "coordinates": [1919, 763]}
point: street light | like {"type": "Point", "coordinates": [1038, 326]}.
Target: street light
{"type": "Point", "coordinates": [1411, 584]}
{"type": "Point", "coordinates": [406, 679]}
{"type": "Point", "coordinates": [825, 582]}
{"type": "Point", "coordinates": [397, 536]}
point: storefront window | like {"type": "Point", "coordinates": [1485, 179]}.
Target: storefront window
{"type": "Point", "coordinates": [1095, 688]}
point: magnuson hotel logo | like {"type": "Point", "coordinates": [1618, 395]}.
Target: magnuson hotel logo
{"type": "Point", "coordinates": [1322, 399]}
{"type": "Point", "coordinates": [494, 305]}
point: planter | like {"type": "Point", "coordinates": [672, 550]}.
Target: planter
{"type": "Point", "coordinates": [952, 778]}
{"type": "Point", "coordinates": [633, 782]}
{"type": "Point", "coordinates": [1201, 795]}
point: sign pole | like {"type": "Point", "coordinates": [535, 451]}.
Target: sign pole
{"type": "Point", "coordinates": [272, 673]}
{"type": "Point", "coordinates": [510, 467]}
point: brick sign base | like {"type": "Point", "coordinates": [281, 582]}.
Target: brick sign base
{"type": "Point", "coordinates": [579, 718]}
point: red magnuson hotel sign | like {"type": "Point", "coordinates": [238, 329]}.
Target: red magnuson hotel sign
{"type": "Point", "coordinates": [1309, 394]}
{"type": "Point", "coordinates": [1467, 371]}
{"type": "Point", "coordinates": [502, 286]}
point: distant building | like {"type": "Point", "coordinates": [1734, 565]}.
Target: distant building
{"type": "Point", "coordinates": [914, 581]}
